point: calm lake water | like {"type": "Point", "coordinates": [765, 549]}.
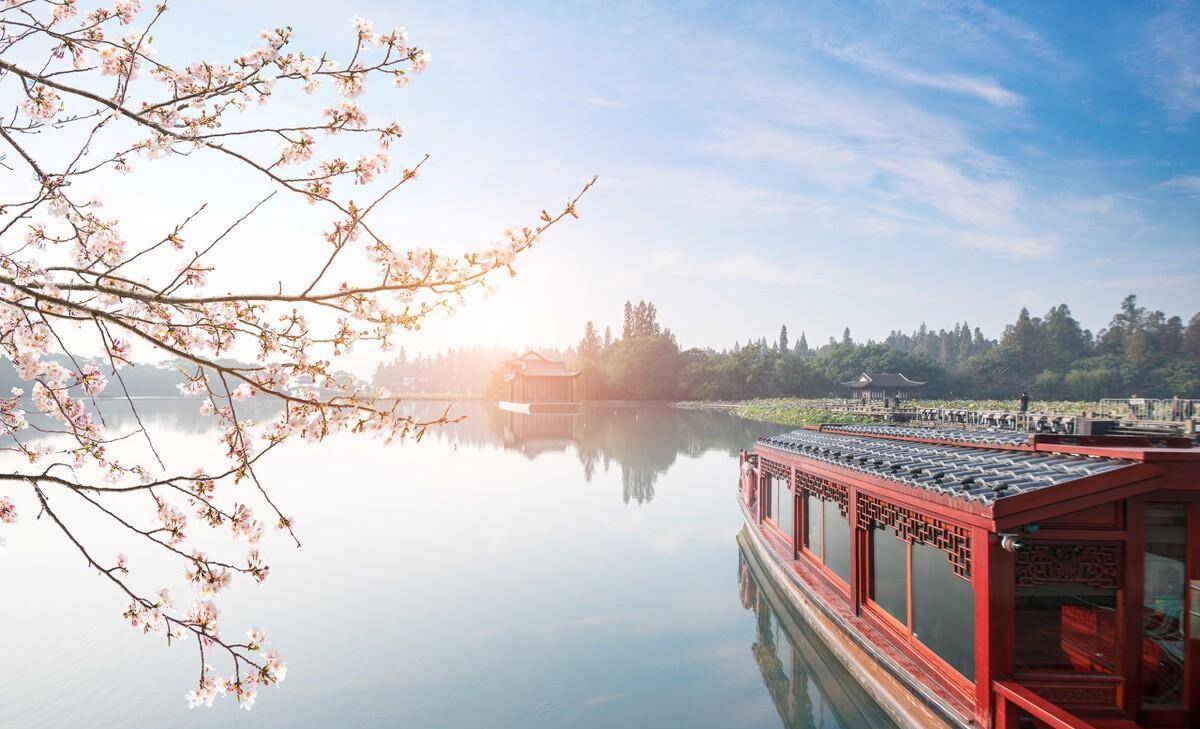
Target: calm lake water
{"type": "Point", "coordinates": [564, 571]}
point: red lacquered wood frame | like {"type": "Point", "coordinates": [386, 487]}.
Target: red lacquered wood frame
{"type": "Point", "coordinates": [1104, 508]}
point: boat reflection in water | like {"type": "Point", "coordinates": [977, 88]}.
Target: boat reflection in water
{"type": "Point", "coordinates": [810, 688]}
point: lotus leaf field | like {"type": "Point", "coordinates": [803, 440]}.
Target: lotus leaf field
{"type": "Point", "coordinates": [800, 411]}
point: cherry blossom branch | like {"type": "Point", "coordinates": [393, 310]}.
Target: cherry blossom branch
{"type": "Point", "coordinates": [68, 274]}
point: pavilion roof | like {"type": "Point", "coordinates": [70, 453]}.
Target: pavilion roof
{"type": "Point", "coordinates": [883, 379]}
{"type": "Point", "coordinates": [532, 364]}
{"type": "Point", "coordinates": [969, 473]}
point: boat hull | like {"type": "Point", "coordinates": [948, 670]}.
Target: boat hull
{"type": "Point", "coordinates": [903, 700]}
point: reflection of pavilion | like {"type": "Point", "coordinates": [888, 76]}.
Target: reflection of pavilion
{"type": "Point", "coordinates": [808, 684]}
{"type": "Point", "coordinates": [538, 433]}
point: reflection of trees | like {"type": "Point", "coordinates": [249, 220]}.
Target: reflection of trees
{"type": "Point", "coordinates": [171, 413]}
{"type": "Point", "coordinates": [806, 682]}
{"type": "Point", "coordinates": [643, 440]}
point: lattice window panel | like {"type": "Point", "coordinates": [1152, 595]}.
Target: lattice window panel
{"type": "Point", "coordinates": [776, 470]}
{"type": "Point", "coordinates": [824, 490]}
{"type": "Point", "coordinates": [1094, 564]}
{"type": "Point", "coordinates": [914, 526]}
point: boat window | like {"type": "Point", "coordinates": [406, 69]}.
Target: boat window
{"type": "Point", "coordinates": [783, 508]}
{"type": "Point", "coordinates": [837, 541]}
{"type": "Point", "coordinates": [943, 606]}
{"type": "Point", "coordinates": [812, 530]}
{"type": "Point", "coordinates": [768, 502]}
{"type": "Point", "coordinates": [889, 573]}
{"type": "Point", "coordinates": [1165, 568]}
{"type": "Point", "coordinates": [1066, 626]}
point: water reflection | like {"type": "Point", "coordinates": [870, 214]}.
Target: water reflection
{"type": "Point", "coordinates": [539, 433]}
{"type": "Point", "coordinates": [643, 440]}
{"type": "Point", "coordinates": [808, 685]}
{"type": "Point", "coordinates": [474, 579]}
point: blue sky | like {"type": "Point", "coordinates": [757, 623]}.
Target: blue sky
{"type": "Point", "coordinates": [862, 164]}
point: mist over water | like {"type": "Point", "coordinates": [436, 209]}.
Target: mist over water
{"type": "Point", "coordinates": [506, 571]}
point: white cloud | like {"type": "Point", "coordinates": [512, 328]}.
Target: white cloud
{"type": "Point", "coordinates": [705, 189]}
{"type": "Point", "coordinates": [1170, 59]}
{"type": "Point", "coordinates": [1186, 184]}
{"type": "Point", "coordinates": [876, 162]}
{"type": "Point", "coordinates": [667, 258]}
{"type": "Point", "coordinates": [1014, 247]}
{"type": "Point", "coordinates": [752, 268]}
{"type": "Point", "coordinates": [606, 103]}
{"type": "Point", "coordinates": [975, 20]}
{"type": "Point", "coordinates": [738, 267]}
{"type": "Point", "coordinates": [986, 89]}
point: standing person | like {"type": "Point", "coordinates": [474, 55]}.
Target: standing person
{"type": "Point", "coordinates": [896, 402]}
{"type": "Point", "coordinates": [1176, 408]}
{"type": "Point", "coordinates": [1023, 402]}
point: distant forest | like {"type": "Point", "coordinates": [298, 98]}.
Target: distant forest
{"type": "Point", "coordinates": [462, 371]}
{"type": "Point", "coordinates": [1051, 357]}
{"type": "Point", "coordinates": [1140, 352]}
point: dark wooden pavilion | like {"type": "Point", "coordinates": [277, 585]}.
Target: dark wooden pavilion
{"type": "Point", "coordinates": [996, 579]}
{"type": "Point", "coordinates": [883, 386]}
{"type": "Point", "coordinates": [534, 383]}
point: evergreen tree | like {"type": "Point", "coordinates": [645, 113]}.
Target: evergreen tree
{"type": "Point", "coordinates": [1191, 339]}
{"type": "Point", "coordinates": [639, 319]}
{"type": "Point", "coordinates": [1065, 341]}
{"type": "Point", "coordinates": [802, 345]}
{"type": "Point", "coordinates": [590, 346]}
{"type": "Point", "coordinates": [846, 336]}
{"type": "Point", "coordinates": [783, 339]}
{"type": "Point", "coordinates": [608, 340]}
{"type": "Point", "coordinates": [652, 327]}
{"type": "Point", "coordinates": [627, 327]}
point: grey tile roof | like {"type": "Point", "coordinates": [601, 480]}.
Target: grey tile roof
{"type": "Point", "coordinates": [972, 474]}
{"type": "Point", "coordinates": [957, 435]}
{"type": "Point", "coordinates": [883, 379]}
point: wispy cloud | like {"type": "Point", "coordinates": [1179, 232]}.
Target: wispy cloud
{"type": "Point", "coordinates": [1186, 184]}
{"type": "Point", "coordinates": [738, 267]}
{"type": "Point", "coordinates": [1170, 59]}
{"type": "Point", "coordinates": [878, 159]}
{"type": "Point", "coordinates": [1014, 247]}
{"type": "Point", "coordinates": [975, 20]}
{"type": "Point", "coordinates": [709, 190]}
{"type": "Point", "coordinates": [605, 102]}
{"type": "Point", "coordinates": [753, 268]}
{"type": "Point", "coordinates": [986, 89]}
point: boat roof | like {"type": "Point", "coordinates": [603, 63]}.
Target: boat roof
{"type": "Point", "coordinates": [969, 473]}
{"type": "Point", "coordinates": [1009, 438]}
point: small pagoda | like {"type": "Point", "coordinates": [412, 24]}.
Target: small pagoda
{"type": "Point", "coordinates": [883, 386]}
{"type": "Point", "coordinates": [537, 384]}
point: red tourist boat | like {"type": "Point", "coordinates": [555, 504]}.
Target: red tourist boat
{"type": "Point", "coordinates": [991, 579]}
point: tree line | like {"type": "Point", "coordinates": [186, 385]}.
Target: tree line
{"type": "Point", "coordinates": [1140, 352]}
{"type": "Point", "coordinates": [462, 370]}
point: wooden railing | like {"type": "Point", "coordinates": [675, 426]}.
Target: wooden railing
{"type": "Point", "coordinates": [1012, 698]}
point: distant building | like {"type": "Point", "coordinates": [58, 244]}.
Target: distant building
{"type": "Point", "coordinates": [883, 386]}
{"type": "Point", "coordinates": [534, 383]}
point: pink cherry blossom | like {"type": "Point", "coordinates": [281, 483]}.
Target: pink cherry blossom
{"type": "Point", "coordinates": [43, 103]}
{"type": "Point", "coordinates": [95, 98]}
